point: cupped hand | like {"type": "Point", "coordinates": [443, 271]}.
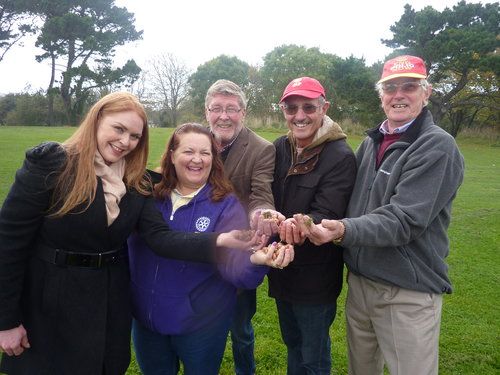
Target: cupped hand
{"type": "Point", "coordinates": [276, 255]}
{"type": "Point", "coordinates": [242, 239]}
{"type": "Point", "coordinates": [266, 221]}
{"type": "Point", "coordinates": [14, 341]}
{"type": "Point", "coordinates": [290, 233]}
{"type": "Point", "coordinates": [318, 234]}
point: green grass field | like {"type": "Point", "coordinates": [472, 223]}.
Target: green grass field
{"type": "Point", "coordinates": [470, 332]}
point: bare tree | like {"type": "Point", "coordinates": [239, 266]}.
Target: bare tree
{"type": "Point", "coordinates": [16, 21]}
{"type": "Point", "coordinates": [139, 87]}
{"type": "Point", "coordinates": [168, 79]}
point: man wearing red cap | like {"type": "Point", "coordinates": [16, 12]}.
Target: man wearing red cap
{"type": "Point", "coordinates": [395, 234]}
{"type": "Point", "coordinates": [314, 174]}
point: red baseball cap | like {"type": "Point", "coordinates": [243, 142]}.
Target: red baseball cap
{"type": "Point", "coordinates": [404, 66]}
{"type": "Point", "coordinates": [304, 86]}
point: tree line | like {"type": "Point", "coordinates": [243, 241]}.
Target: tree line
{"type": "Point", "coordinates": [460, 45]}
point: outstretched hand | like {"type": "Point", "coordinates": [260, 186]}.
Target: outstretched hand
{"type": "Point", "coordinates": [289, 232]}
{"type": "Point", "coordinates": [242, 239]}
{"type": "Point", "coordinates": [318, 234]}
{"type": "Point", "coordinates": [14, 341]}
{"type": "Point", "coordinates": [276, 255]}
{"type": "Point", "coordinates": [266, 221]}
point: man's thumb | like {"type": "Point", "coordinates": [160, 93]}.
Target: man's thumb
{"type": "Point", "coordinates": [24, 342]}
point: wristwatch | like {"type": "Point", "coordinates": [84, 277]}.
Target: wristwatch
{"type": "Point", "coordinates": [338, 240]}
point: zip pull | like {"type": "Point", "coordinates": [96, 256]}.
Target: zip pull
{"type": "Point", "coordinates": [171, 216]}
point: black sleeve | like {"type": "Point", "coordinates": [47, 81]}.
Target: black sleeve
{"type": "Point", "coordinates": [332, 196]}
{"type": "Point", "coordinates": [195, 247]}
{"type": "Point", "coordinates": [20, 218]}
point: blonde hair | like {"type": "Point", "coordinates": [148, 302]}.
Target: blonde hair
{"type": "Point", "coordinates": [77, 183]}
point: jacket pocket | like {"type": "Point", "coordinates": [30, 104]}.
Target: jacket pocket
{"type": "Point", "coordinates": [309, 181]}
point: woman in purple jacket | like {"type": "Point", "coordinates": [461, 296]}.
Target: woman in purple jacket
{"type": "Point", "coordinates": [182, 309]}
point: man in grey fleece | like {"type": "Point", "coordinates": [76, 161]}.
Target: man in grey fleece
{"type": "Point", "coordinates": [395, 234]}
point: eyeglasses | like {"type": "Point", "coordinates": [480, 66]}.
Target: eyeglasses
{"type": "Point", "coordinates": [229, 111]}
{"type": "Point", "coordinates": [406, 87]}
{"type": "Point", "coordinates": [292, 109]}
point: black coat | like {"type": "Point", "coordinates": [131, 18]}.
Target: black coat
{"type": "Point", "coordinates": [77, 319]}
{"type": "Point", "coordinates": [319, 185]}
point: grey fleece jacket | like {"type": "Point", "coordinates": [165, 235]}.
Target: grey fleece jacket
{"type": "Point", "coordinates": [398, 215]}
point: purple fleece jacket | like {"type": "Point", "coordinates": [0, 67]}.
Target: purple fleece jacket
{"type": "Point", "coordinates": [178, 297]}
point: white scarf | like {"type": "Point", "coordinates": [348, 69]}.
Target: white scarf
{"type": "Point", "coordinates": [112, 184]}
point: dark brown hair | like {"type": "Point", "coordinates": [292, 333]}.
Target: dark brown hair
{"type": "Point", "coordinates": [221, 186]}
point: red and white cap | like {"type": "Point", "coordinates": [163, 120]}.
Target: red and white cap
{"type": "Point", "coordinates": [304, 86]}
{"type": "Point", "coordinates": [403, 66]}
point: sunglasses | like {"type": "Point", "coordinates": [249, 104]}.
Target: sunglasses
{"type": "Point", "coordinates": [292, 109]}
{"type": "Point", "coordinates": [405, 87]}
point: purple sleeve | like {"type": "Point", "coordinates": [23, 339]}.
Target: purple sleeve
{"type": "Point", "coordinates": [234, 265]}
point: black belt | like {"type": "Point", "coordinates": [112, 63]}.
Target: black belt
{"type": "Point", "coordinates": [70, 258]}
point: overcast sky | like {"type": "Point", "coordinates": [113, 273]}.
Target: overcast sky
{"type": "Point", "coordinates": [195, 31]}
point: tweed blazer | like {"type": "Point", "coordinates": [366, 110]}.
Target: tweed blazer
{"type": "Point", "coordinates": [250, 167]}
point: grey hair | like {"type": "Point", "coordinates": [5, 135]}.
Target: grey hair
{"type": "Point", "coordinates": [227, 88]}
{"type": "Point", "coordinates": [425, 87]}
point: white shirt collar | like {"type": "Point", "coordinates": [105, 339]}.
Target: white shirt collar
{"type": "Point", "coordinates": [384, 128]}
